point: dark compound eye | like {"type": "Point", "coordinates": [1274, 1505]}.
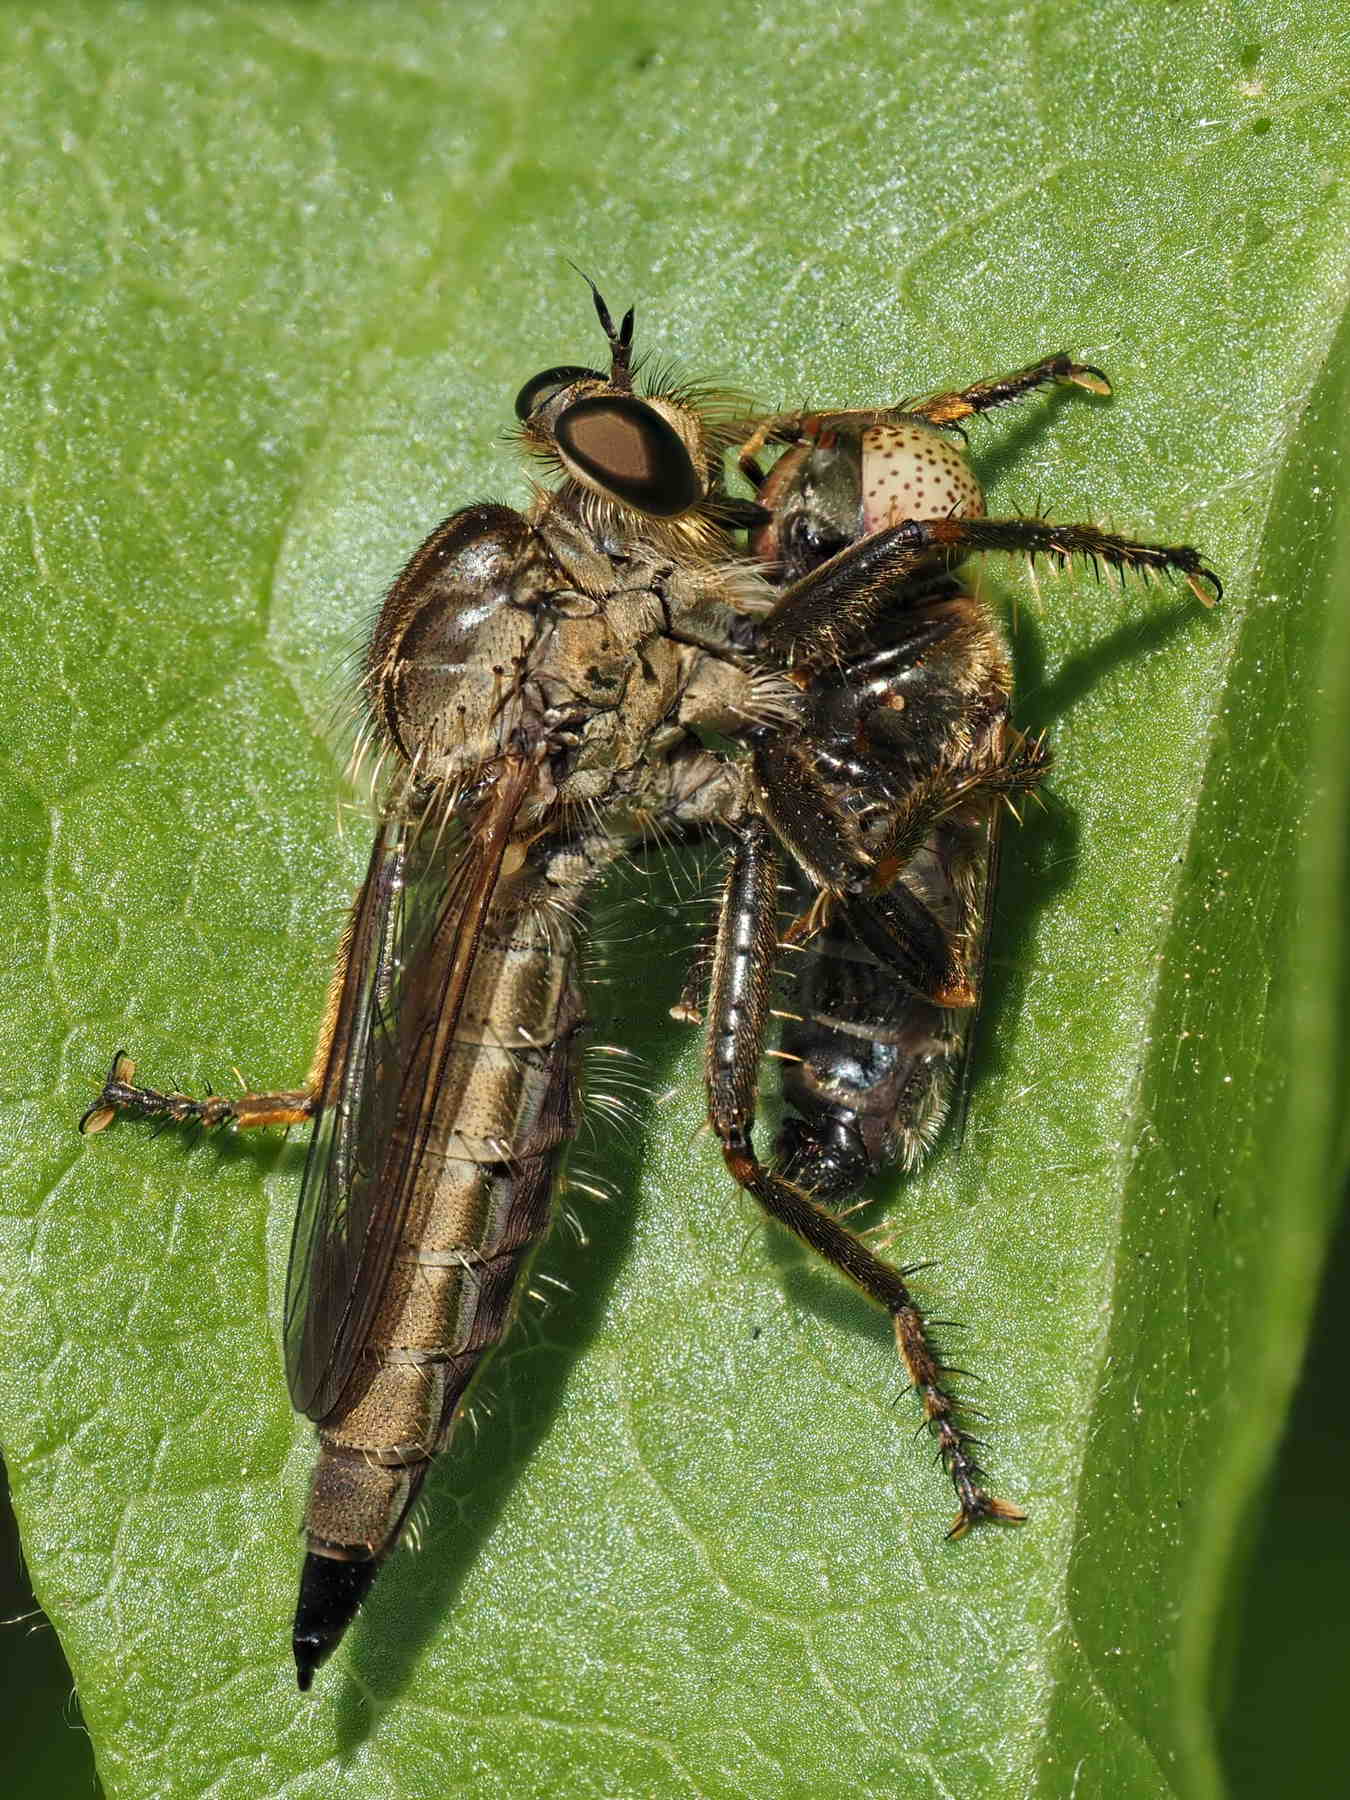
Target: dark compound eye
{"type": "Point", "coordinates": [628, 449]}
{"type": "Point", "coordinates": [807, 542]}
{"type": "Point", "coordinates": [544, 386]}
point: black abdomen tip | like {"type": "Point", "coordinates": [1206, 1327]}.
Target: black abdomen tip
{"type": "Point", "coordinates": [330, 1592]}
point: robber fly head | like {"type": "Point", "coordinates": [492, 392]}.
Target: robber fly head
{"type": "Point", "coordinates": [643, 452]}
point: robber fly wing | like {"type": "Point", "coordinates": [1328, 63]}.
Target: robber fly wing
{"type": "Point", "coordinates": [334, 1218]}
{"type": "Point", "coordinates": [414, 939]}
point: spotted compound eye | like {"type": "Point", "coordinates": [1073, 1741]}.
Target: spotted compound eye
{"type": "Point", "coordinates": [625, 447]}
{"type": "Point", "coordinates": [911, 471]}
{"type": "Point", "coordinates": [547, 385]}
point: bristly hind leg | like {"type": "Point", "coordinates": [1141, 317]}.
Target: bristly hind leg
{"type": "Point", "coordinates": [1061, 543]}
{"type": "Point", "coordinates": [245, 1112]}
{"type": "Point", "coordinates": [738, 1009]}
{"type": "Point", "coordinates": [999, 390]}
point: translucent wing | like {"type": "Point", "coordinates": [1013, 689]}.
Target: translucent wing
{"type": "Point", "coordinates": [410, 952]}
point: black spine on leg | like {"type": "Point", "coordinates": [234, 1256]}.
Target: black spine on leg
{"type": "Point", "coordinates": [330, 1593]}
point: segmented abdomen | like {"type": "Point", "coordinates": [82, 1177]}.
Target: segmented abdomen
{"type": "Point", "coordinates": [504, 1114]}
{"type": "Point", "coordinates": [870, 1064]}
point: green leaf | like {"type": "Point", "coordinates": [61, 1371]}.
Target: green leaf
{"type": "Point", "coordinates": [270, 280]}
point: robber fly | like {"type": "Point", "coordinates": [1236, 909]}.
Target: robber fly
{"type": "Point", "coordinates": [550, 689]}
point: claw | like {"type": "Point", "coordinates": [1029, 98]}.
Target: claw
{"type": "Point", "coordinates": [986, 1507]}
{"type": "Point", "coordinates": [1083, 375]}
{"type": "Point", "coordinates": [104, 1110]}
{"type": "Point", "coordinates": [98, 1118]}
{"type": "Point", "coordinates": [1195, 579]}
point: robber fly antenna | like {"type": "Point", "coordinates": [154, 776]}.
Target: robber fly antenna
{"type": "Point", "coordinates": [620, 341]}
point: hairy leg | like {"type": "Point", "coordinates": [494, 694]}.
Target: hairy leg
{"type": "Point", "coordinates": [247, 1111]}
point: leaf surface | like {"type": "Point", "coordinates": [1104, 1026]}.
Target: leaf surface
{"type": "Point", "coordinates": [270, 280]}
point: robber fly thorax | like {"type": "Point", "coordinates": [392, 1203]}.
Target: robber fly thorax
{"type": "Point", "coordinates": [545, 689]}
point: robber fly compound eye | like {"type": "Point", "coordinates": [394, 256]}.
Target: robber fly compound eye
{"type": "Point", "coordinates": [625, 448]}
{"type": "Point", "coordinates": [548, 385]}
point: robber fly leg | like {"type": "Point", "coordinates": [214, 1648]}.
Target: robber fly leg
{"type": "Point", "coordinates": [983, 396]}
{"type": "Point", "coordinates": [688, 1009]}
{"type": "Point", "coordinates": [776, 428]}
{"type": "Point", "coordinates": [1040, 537]}
{"type": "Point", "coordinates": [738, 1009]}
{"type": "Point", "coordinates": [817, 618]}
{"type": "Point", "coordinates": [894, 923]}
{"type": "Point", "coordinates": [820, 617]}
{"type": "Point", "coordinates": [246, 1111]}
{"type": "Point", "coordinates": [1015, 767]}
{"type": "Point", "coordinates": [119, 1095]}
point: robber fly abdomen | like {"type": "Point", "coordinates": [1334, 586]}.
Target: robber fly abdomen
{"type": "Point", "coordinates": [499, 1119]}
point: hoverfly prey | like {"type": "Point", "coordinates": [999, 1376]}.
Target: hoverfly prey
{"type": "Point", "coordinates": [551, 688]}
